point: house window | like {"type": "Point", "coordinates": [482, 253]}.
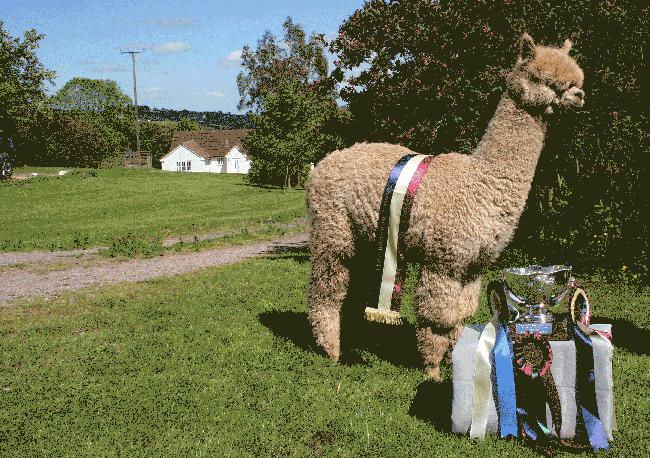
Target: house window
{"type": "Point", "coordinates": [220, 161]}
{"type": "Point", "coordinates": [184, 166]}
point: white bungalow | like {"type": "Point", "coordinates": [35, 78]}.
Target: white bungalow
{"type": "Point", "coordinates": [216, 151]}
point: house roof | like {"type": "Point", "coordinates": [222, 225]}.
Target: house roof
{"type": "Point", "coordinates": [209, 143]}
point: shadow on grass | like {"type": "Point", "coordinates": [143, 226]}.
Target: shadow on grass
{"type": "Point", "coordinates": [298, 252]}
{"type": "Point", "coordinates": [627, 335]}
{"type": "Point", "coordinates": [291, 326]}
{"type": "Point", "coordinates": [267, 186]}
{"type": "Point", "coordinates": [432, 404]}
{"type": "Point", "coordinates": [395, 344]}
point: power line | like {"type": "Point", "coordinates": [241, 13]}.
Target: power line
{"type": "Point", "coordinates": [135, 99]}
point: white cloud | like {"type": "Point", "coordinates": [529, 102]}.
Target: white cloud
{"type": "Point", "coordinates": [233, 59]}
{"type": "Point", "coordinates": [109, 68]}
{"type": "Point", "coordinates": [171, 22]}
{"type": "Point", "coordinates": [153, 89]}
{"type": "Point", "coordinates": [216, 94]}
{"type": "Point", "coordinates": [140, 46]}
{"type": "Point", "coordinates": [171, 47]}
{"type": "Point", "coordinates": [148, 62]}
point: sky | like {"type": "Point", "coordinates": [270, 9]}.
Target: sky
{"type": "Point", "coordinates": [190, 57]}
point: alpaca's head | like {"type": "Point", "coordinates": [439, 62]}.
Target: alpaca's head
{"type": "Point", "coordinates": [545, 78]}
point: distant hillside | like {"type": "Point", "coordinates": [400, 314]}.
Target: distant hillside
{"type": "Point", "coordinates": [207, 119]}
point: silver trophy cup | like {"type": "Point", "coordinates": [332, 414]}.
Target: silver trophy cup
{"type": "Point", "coordinates": [532, 290]}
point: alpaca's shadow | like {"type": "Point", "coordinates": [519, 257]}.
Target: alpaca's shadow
{"type": "Point", "coordinates": [292, 326]}
{"type": "Point", "coordinates": [298, 252]}
{"type": "Point", "coordinates": [627, 335]}
{"type": "Point", "coordinates": [432, 404]}
{"type": "Point", "coordinates": [395, 344]}
{"type": "Point", "coordinates": [261, 186]}
{"type": "Point", "coordinates": [268, 186]}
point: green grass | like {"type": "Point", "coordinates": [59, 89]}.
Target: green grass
{"type": "Point", "coordinates": [91, 207]}
{"type": "Point", "coordinates": [129, 246]}
{"type": "Point", "coordinates": [221, 363]}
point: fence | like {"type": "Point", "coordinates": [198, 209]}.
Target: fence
{"type": "Point", "coordinates": [137, 159]}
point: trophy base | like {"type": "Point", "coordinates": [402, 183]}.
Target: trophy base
{"type": "Point", "coordinates": [558, 329]}
{"type": "Point", "coordinates": [533, 328]}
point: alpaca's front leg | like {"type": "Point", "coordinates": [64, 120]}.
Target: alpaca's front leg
{"type": "Point", "coordinates": [442, 303]}
{"type": "Point", "coordinates": [327, 290]}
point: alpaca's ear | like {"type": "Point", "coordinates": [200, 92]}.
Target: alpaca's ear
{"type": "Point", "coordinates": [526, 47]}
{"type": "Point", "coordinates": [566, 47]}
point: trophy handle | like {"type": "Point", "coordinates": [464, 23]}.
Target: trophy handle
{"type": "Point", "coordinates": [580, 306]}
{"type": "Point", "coordinates": [496, 293]}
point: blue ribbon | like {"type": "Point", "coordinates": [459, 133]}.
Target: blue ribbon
{"type": "Point", "coordinates": [505, 382]}
{"type": "Point", "coordinates": [586, 390]}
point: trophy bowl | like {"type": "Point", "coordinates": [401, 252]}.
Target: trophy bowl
{"type": "Point", "coordinates": [536, 288]}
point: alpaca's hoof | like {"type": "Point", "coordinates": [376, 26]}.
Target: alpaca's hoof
{"type": "Point", "coordinates": [333, 352]}
{"type": "Point", "coordinates": [433, 373]}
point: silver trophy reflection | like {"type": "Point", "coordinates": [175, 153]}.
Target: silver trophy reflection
{"type": "Point", "coordinates": [532, 290]}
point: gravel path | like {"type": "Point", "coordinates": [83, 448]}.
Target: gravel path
{"type": "Point", "coordinates": [29, 257]}
{"type": "Point", "coordinates": [16, 283]}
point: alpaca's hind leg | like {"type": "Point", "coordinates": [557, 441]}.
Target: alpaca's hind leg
{"type": "Point", "coordinates": [330, 277]}
{"type": "Point", "coordinates": [442, 303]}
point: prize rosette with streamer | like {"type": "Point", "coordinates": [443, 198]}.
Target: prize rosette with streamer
{"type": "Point", "coordinates": [514, 358]}
{"type": "Point", "coordinates": [533, 354]}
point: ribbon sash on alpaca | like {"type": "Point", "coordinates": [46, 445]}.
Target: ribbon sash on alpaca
{"type": "Point", "coordinates": [394, 217]}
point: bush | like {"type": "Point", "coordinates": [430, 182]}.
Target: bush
{"type": "Point", "coordinates": [134, 245]}
{"type": "Point", "coordinates": [429, 74]}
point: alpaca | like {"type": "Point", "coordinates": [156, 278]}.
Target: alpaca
{"type": "Point", "coordinates": [463, 216]}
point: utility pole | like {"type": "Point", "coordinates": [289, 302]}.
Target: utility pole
{"type": "Point", "coordinates": [135, 100]}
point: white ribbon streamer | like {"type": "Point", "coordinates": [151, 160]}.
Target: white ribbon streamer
{"type": "Point", "coordinates": [482, 389]}
{"type": "Point", "coordinates": [390, 255]}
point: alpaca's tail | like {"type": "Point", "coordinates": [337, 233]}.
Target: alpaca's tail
{"type": "Point", "coordinates": [383, 316]}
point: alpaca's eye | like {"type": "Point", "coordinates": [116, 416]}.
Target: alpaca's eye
{"type": "Point", "coordinates": [534, 78]}
{"type": "Point", "coordinates": [558, 88]}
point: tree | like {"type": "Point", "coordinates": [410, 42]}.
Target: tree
{"type": "Point", "coordinates": [156, 139]}
{"type": "Point", "coordinates": [295, 114]}
{"type": "Point", "coordinates": [73, 142]}
{"type": "Point", "coordinates": [428, 75]}
{"type": "Point", "coordinates": [273, 63]}
{"type": "Point", "coordinates": [97, 99]}
{"type": "Point", "coordinates": [22, 84]}
{"type": "Point", "coordinates": [187, 124]}
{"type": "Point", "coordinates": [99, 104]}
{"type": "Point", "coordinates": [293, 130]}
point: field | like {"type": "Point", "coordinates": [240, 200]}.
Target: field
{"type": "Point", "coordinates": [92, 207]}
{"type": "Point", "coordinates": [222, 363]}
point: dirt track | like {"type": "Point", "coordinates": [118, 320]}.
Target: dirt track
{"type": "Point", "coordinates": [16, 283]}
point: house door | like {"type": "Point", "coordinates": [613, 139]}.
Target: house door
{"type": "Point", "coordinates": [236, 165]}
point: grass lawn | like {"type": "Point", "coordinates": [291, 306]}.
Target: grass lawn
{"type": "Point", "coordinates": [91, 207]}
{"type": "Point", "coordinates": [221, 363]}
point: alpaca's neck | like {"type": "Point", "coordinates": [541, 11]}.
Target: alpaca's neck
{"type": "Point", "coordinates": [512, 142]}
{"type": "Point", "coordinates": [507, 154]}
